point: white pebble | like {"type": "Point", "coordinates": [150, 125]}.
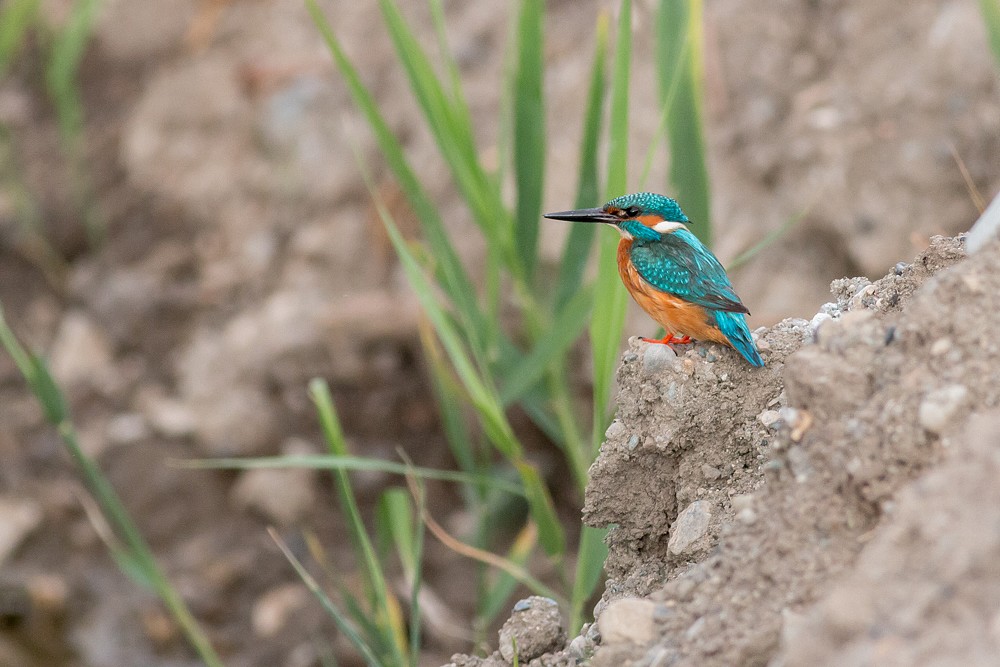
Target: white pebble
{"type": "Point", "coordinates": [938, 407]}
{"type": "Point", "coordinates": [627, 621]}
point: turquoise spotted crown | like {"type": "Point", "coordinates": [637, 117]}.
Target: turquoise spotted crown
{"type": "Point", "coordinates": [651, 204]}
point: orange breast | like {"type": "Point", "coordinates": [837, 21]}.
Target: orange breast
{"type": "Point", "coordinates": [675, 315]}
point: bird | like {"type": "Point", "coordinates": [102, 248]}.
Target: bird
{"type": "Point", "coordinates": [671, 274]}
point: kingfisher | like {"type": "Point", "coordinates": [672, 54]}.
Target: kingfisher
{"type": "Point", "coordinates": [671, 274]}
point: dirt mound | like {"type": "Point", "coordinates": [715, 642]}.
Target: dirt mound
{"type": "Point", "coordinates": [780, 515]}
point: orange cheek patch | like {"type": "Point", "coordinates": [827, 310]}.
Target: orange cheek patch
{"type": "Point", "coordinates": [650, 220]}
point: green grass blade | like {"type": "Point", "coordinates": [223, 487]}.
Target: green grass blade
{"type": "Point", "coordinates": [454, 140]}
{"type": "Point", "coordinates": [451, 274]}
{"type": "Point", "coordinates": [137, 553]}
{"type": "Point", "coordinates": [669, 75]}
{"type": "Point", "coordinates": [991, 17]}
{"type": "Point", "coordinates": [591, 555]}
{"type": "Point", "coordinates": [343, 624]}
{"type": "Point", "coordinates": [405, 529]}
{"type": "Point", "coordinates": [581, 237]}
{"type": "Point", "coordinates": [417, 551]}
{"type": "Point", "coordinates": [450, 398]}
{"type": "Point", "coordinates": [565, 331]}
{"type": "Point", "coordinates": [610, 297]}
{"type": "Point", "coordinates": [458, 103]}
{"type": "Point", "coordinates": [491, 602]}
{"type": "Point", "coordinates": [529, 133]}
{"type": "Point", "coordinates": [376, 587]}
{"type": "Point", "coordinates": [679, 27]}
{"type": "Point", "coordinates": [618, 152]}
{"type": "Point", "coordinates": [16, 16]}
{"type": "Point", "coordinates": [64, 62]}
{"type": "Point", "coordinates": [396, 515]}
{"type": "Point", "coordinates": [356, 463]}
{"type": "Point", "coordinates": [483, 396]}
{"type": "Point", "coordinates": [550, 531]}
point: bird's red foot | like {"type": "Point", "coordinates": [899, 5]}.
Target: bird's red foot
{"type": "Point", "coordinates": [669, 339]}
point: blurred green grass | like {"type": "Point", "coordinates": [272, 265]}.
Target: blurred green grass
{"type": "Point", "coordinates": [991, 19]}
{"type": "Point", "coordinates": [483, 365]}
{"type": "Point", "coordinates": [126, 544]}
{"type": "Point", "coordinates": [61, 49]}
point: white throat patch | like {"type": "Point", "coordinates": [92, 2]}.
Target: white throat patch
{"type": "Point", "coordinates": [625, 235]}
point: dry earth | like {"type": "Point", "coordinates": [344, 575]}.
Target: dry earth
{"type": "Point", "coordinates": [838, 507]}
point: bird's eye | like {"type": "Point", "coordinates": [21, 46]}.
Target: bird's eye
{"type": "Point", "coordinates": [633, 211]}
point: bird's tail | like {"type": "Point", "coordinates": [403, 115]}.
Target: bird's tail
{"type": "Point", "coordinates": [734, 326]}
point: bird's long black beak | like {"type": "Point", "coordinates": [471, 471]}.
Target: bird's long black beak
{"type": "Point", "coordinates": [585, 215]}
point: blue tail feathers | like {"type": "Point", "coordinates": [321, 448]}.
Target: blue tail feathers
{"type": "Point", "coordinates": [734, 326]}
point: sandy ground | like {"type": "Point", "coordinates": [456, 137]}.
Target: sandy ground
{"type": "Point", "coordinates": [837, 507]}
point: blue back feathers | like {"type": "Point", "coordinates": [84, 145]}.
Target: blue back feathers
{"type": "Point", "coordinates": [678, 263]}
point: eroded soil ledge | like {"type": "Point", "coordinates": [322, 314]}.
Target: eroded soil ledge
{"type": "Point", "coordinates": [838, 507]}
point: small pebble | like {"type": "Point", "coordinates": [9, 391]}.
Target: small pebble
{"type": "Point", "coordinates": [534, 629]}
{"type": "Point", "coordinates": [127, 428]}
{"type": "Point", "coordinates": [633, 442]}
{"type": "Point", "coordinates": [818, 320]}
{"type": "Point", "coordinates": [81, 351]}
{"type": "Point", "coordinates": [19, 518]}
{"type": "Point", "coordinates": [938, 407]}
{"type": "Point", "coordinates": [282, 495]}
{"type": "Point", "coordinates": [275, 608]}
{"type": "Point", "coordinates": [857, 301]}
{"type": "Point", "coordinates": [690, 526]}
{"type": "Point", "coordinates": [710, 473]}
{"type": "Point", "coordinates": [940, 346]}
{"type": "Point", "coordinates": [899, 268]}
{"type": "Point", "coordinates": [628, 621]}
{"type": "Point", "coordinates": [615, 430]}
{"type": "Point", "coordinates": [522, 605]}
{"type": "Point", "coordinates": [168, 416]}
{"type": "Point", "coordinates": [657, 358]}
{"type": "Point", "coordinates": [769, 417]}
{"type": "Point", "coordinates": [580, 649]}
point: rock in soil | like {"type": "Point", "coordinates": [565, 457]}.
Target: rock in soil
{"type": "Point", "coordinates": [628, 621]}
{"type": "Point", "coordinates": [533, 629]}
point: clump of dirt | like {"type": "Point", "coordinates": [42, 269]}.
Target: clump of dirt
{"type": "Point", "coordinates": [836, 505]}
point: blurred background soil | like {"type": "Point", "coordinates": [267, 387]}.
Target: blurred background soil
{"type": "Point", "coordinates": [241, 257]}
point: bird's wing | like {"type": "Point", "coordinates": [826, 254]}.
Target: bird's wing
{"type": "Point", "coordinates": [686, 269]}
